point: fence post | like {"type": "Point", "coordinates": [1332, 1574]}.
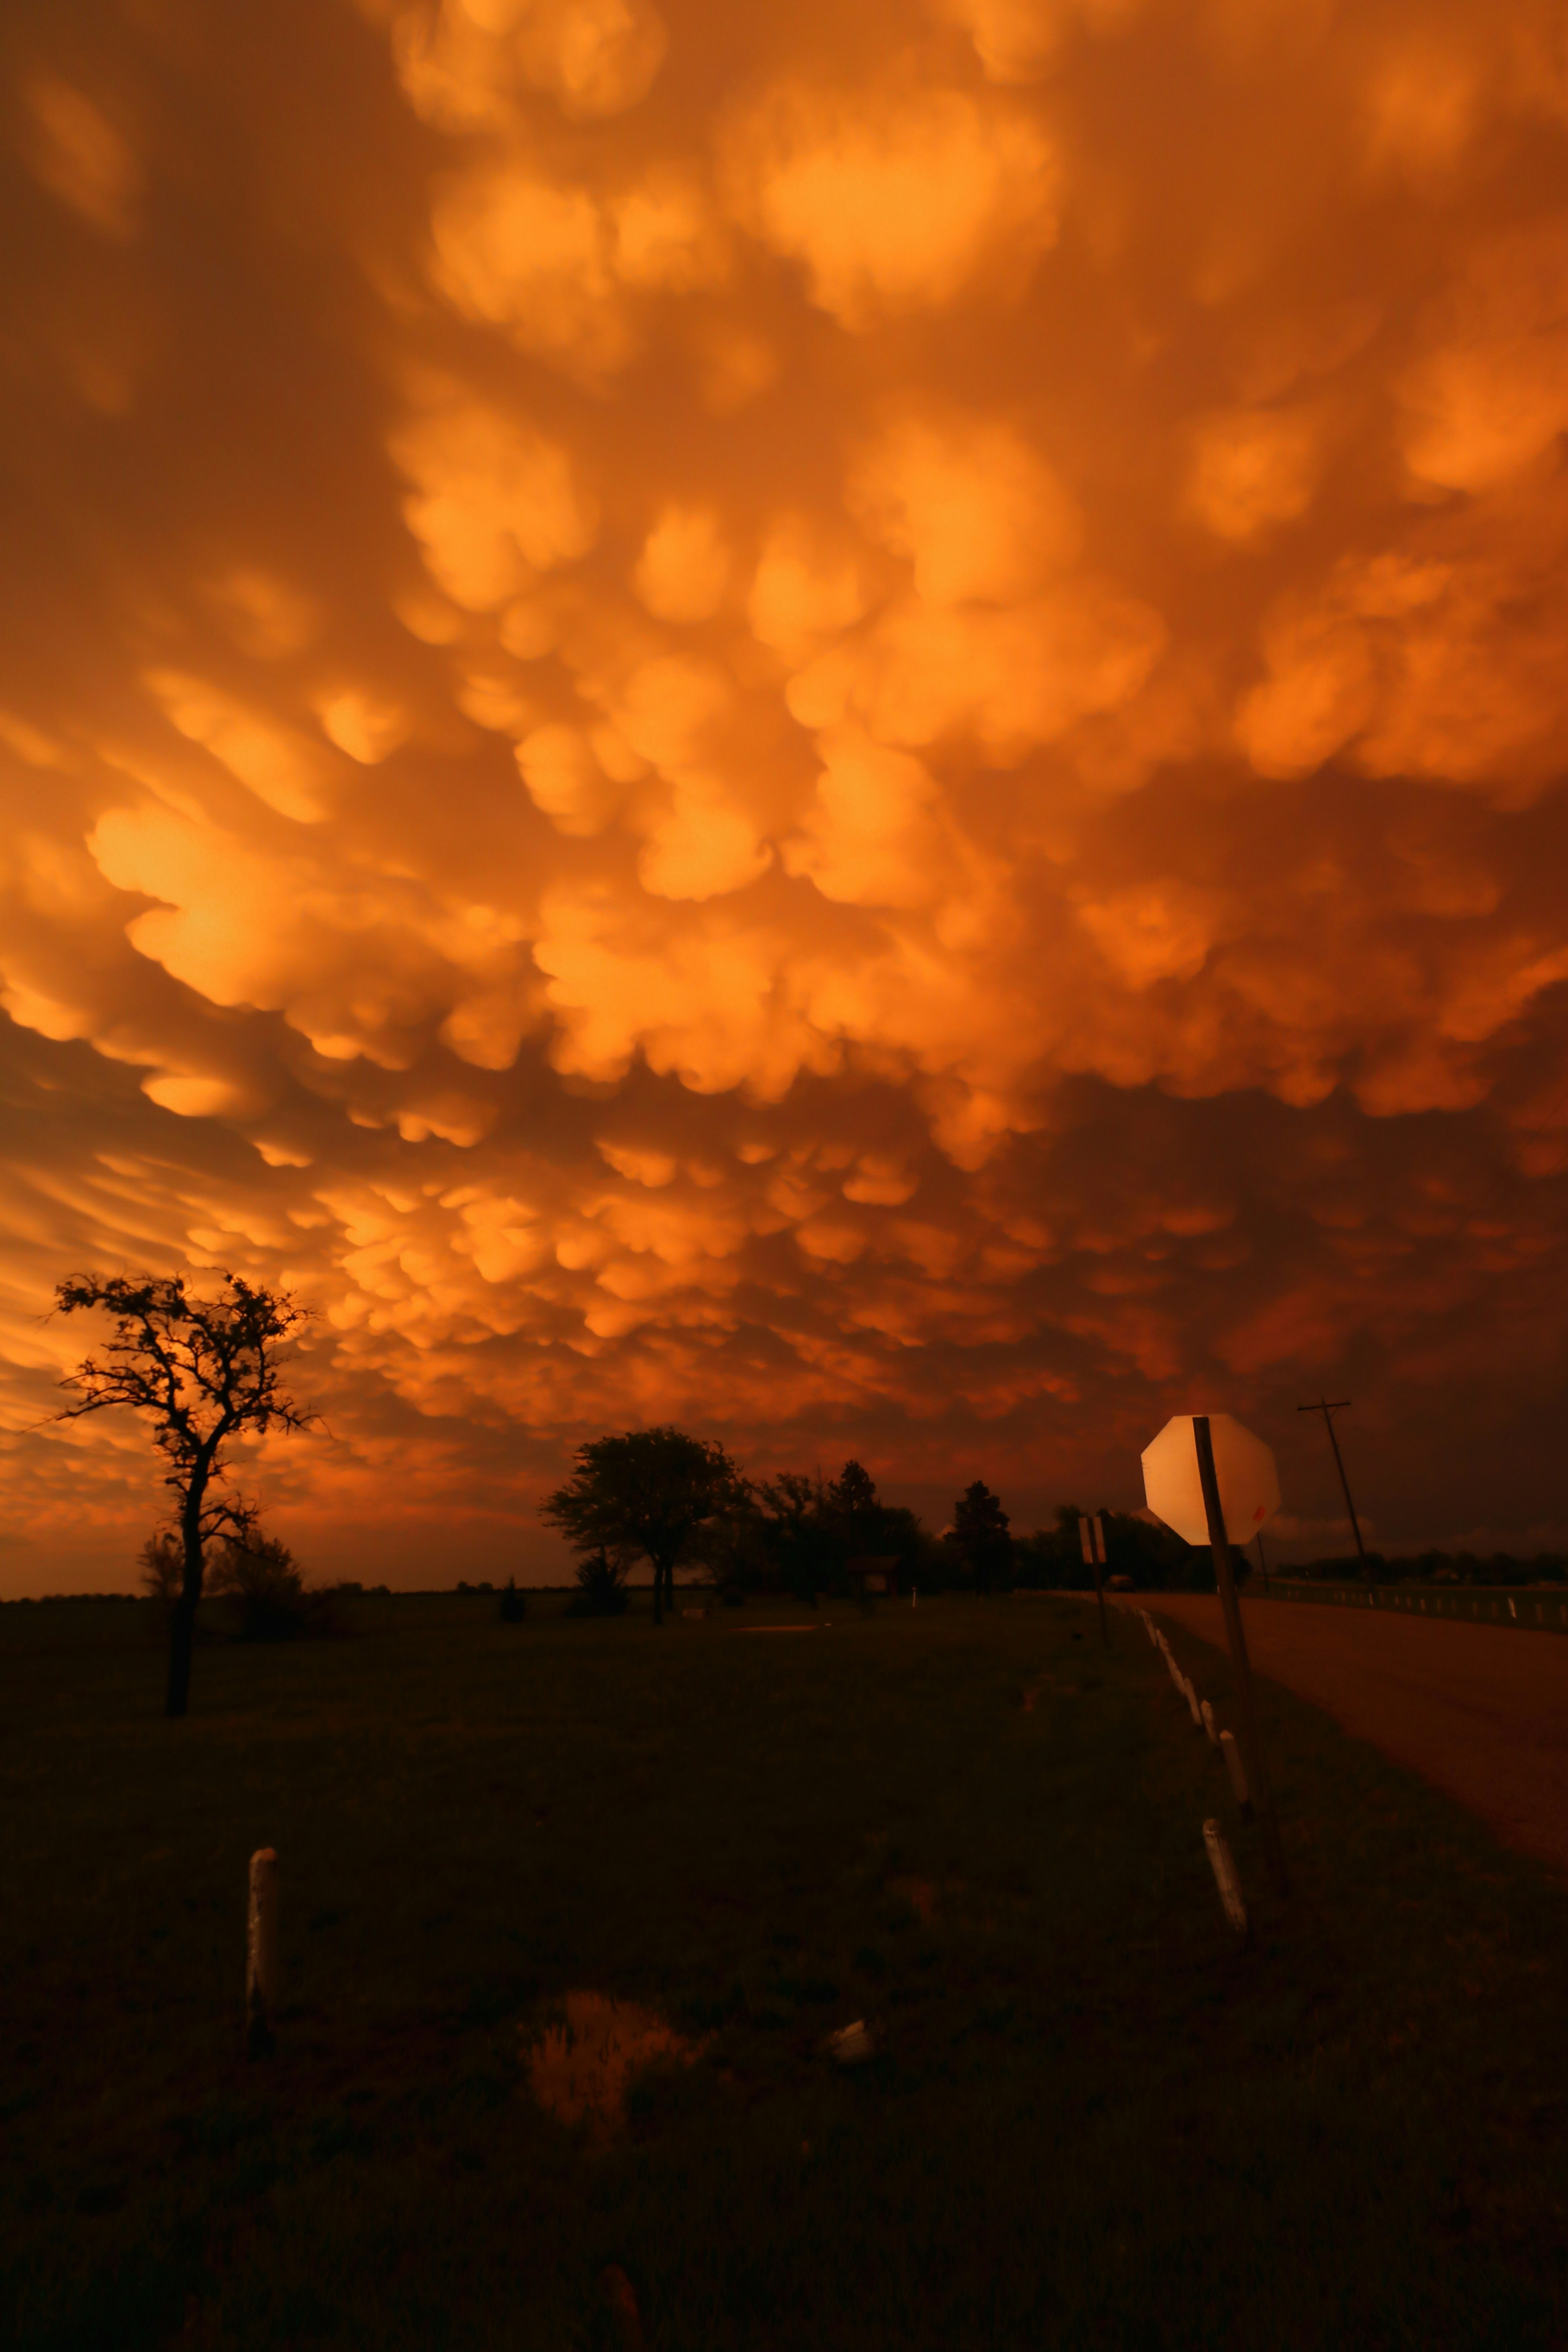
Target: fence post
{"type": "Point", "coordinates": [1226, 1879]}
{"type": "Point", "coordinates": [261, 1955]}
{"type": "Point", "coordinates": [1238, 1771]}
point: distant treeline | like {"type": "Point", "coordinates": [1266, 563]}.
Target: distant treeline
{"type": "Point", "coordinates": [1436, 1567]}
{"type": "Point", "coordinates": [799, 1534]}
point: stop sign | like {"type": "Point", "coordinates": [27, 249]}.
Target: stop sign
{"type": "Point", "coordinates": [1244, 1467]}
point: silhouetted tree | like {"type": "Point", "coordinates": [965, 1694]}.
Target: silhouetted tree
{"type": "Point", "coordinates": [797, 1546]}
{"type": "Point", "coordinates": [649, 1491]}
{"type": "Point", "coordinates": [853, 1509]}
{"type": "Point", "coordinates": [162, 1561]}
{"type": "Point", "coordinates": [980, 1535]}
{"type": "Point", "coordinates": [204, 1371]}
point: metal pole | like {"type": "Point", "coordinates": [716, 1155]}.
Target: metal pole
{"type": "Point", "coordinates": [1225, 1577]}
{"type": "Point", "coordinates": [1328, 1411]}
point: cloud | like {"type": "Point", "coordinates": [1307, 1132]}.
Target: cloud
{"type": "Point", "coordinates": [82, 156]}
{"type": "Point", "coordinates": [469, 64]}
{"type": "Point", "coordinates": [849, 728]}
{"type": "Point", "coordinates": [894, 199]}
{"type": "Point", "coordinates": [494, 503]}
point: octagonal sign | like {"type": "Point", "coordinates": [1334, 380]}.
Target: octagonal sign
{"type": "Point", "coordinates": [1243, 1466]}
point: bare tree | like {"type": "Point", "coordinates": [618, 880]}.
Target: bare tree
{"type": "Point", "coordinates": [204, 1371]}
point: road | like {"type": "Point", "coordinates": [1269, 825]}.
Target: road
{"type": "Point", "coordinates": [1479, 1712]}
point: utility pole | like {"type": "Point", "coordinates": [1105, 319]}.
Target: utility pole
{"type": "Point", "coordinates": [1328, 1411]}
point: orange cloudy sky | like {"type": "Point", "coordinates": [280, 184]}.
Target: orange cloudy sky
{"type": "Point", "coordinates": [844, 722]}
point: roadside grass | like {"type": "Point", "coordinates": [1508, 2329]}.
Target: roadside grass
{"type": "Point", "coordinates": [1091, 2120]}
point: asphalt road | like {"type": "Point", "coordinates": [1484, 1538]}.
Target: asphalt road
{"type": "Point", "coordinates": [1478, 1711]}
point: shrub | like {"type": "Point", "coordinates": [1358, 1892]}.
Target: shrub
{"type": "Point", "coordinates": [162, 1561]}
{"type": "Point", "coordinates": [513, 1606]}
{"type": "Point", "coordinates": [262, 1577]}
{"type": "Point", "coordinates": [601, 1588]}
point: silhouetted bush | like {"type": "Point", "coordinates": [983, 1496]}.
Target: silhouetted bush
{"type": "Point", "coordinates": [513, 1607]}
{"type": "Point", "coordinates": [263, 1578]}
{"type": "Point", "coordinates": [601, 1588]}
{"type": "Point", "coordinates": [162, 1562]}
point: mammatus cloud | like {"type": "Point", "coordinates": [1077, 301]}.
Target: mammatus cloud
{"type": "Point", "coordinates": [844, 724]}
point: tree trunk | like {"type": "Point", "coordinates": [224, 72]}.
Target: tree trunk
{"type": "Point", "coordinates": [182, 1622]}
{"type": "Point", "coordinates": [663, 1589]}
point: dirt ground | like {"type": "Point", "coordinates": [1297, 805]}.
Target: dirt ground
{"type": "Point", "coordinates": [1478, 1711]}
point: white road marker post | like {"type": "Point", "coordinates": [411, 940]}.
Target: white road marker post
{"type": "Point", "coordinates": [261, 1957]}
{"type": "Point", "coordinates": [1238, 1771]}
{"type": "Point", "coordinates": [1226, 1879]}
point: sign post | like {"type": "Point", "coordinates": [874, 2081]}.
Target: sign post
{"type": "Point", "coordinates": [1230, 1607]}
{"type": "Point", "coordinates": [1216, 1503]}
{"type": "Point", "coordinates": [1092, 1530]}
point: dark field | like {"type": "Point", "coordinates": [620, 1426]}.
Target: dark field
{"type": "Point", "coordinates": [1092, 2121]}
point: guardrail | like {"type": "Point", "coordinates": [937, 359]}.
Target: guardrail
{"type": "Point", "coordinates": [1527, 1606]}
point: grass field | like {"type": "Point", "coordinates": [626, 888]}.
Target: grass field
{"type": "Point", "coordinates": [1092, 2121]}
